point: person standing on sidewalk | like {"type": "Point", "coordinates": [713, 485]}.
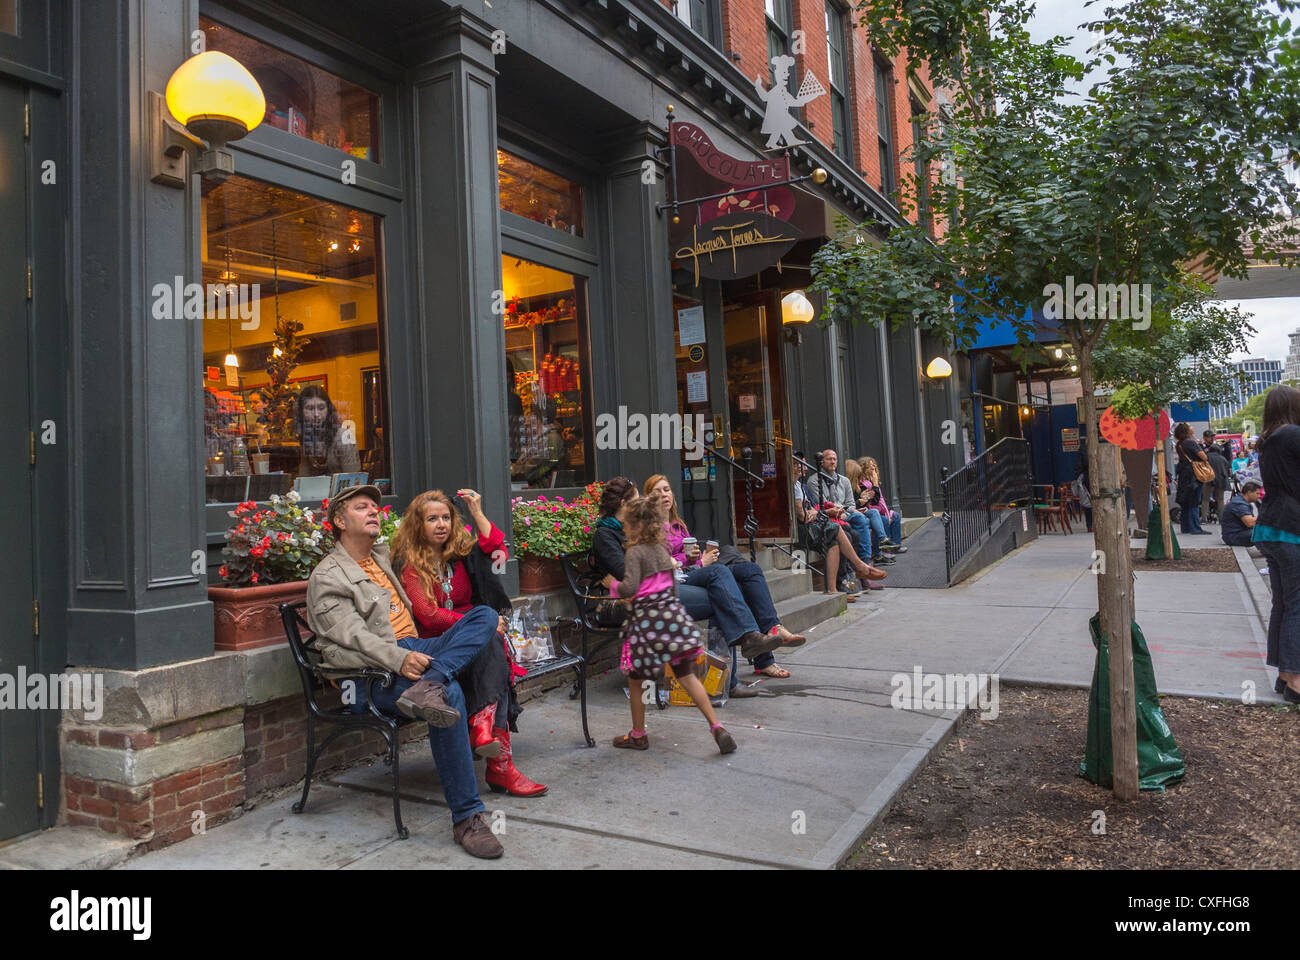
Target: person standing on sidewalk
{"type": "Point", "coordinates": [1277, 533]}
{"type": "Point", "coordinates": [1189, 488]}
{"type": "Point", "coordinates": [361, 618]}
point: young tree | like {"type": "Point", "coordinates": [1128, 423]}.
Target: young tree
{"type": "Point", "coordinates": [1176, 152]}
{"type": "Point", "coordinates": [1181, 356]}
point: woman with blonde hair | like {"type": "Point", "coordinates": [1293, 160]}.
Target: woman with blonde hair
{"type": "Point", "coordinates": [446, 572]}
{"type": "Point", "coordinates": [871, 497]}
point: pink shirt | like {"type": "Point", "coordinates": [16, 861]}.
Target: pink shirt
{"type": "Point", "coordinates": [652, 584]}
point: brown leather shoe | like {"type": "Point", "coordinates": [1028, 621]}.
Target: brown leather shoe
{"type": "Point", "coordinates": [875, 573]}
{"type": "Point", "coordinates": [629, 742]}
{"type": "Point", "coordinates": [754, 643]}
{"type": "Point", "coordinates": [427, 699]}
{"type": "Point", "coordinates": [477, 838]}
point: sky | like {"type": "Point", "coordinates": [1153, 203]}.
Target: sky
{"type": "Point", "coordinates": [1272, 318]}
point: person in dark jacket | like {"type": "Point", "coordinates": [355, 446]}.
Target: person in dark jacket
{"type": "Point", "coordinates": [1239, 515]}
{"type": "Point", "coordinates": [1222, 481]}
{"type": "Point", "coordinates": [1189, 488]}
{"type": "Point", "coordinates": [1277, 532]}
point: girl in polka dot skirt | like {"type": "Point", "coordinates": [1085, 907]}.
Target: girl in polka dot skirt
{"type": "Point", "coordinates": [658, 629]}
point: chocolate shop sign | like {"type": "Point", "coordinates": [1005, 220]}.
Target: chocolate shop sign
{"type": "Point", "coordinates": [739, 245]}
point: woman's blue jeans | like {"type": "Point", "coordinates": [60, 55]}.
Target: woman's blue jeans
{"type": "Point", "coordinates": [1284, 621]}
{"type": "Point", "coordinates": [868, 530]}
{"type": "Point", "coordinates": [451, 653]}
{"type": "Point", "coordinates": [711, 593]}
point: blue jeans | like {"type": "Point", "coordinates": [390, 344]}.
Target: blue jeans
{"type": "Point", "coordinates": [451, 653]}
{"type": "Point", "coordinates": [1284, 621]}
{"type": "Point", "coordinates": [711, 593]}
{"type": "Point", "coordinates": [867, 531]}
{"type": "Point", "coordinates": [1189, 520]}
{"type": "Point", "coordinates": [895, 526]}
{"type": "Point", "coordinates": [753, 587]}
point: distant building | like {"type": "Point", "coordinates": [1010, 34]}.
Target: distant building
{"type": "Point", "coordinates": [1262, 373]}
{"type": "Point", "coordinates": [1292, 371]}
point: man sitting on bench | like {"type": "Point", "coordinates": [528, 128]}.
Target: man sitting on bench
{"type": "Point", "coordinates": [361, 618]}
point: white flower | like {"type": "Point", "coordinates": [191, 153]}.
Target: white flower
{"type": "Point", "coordinates": [309, 515]}
{"type": "Point", "coordinates": [293, 496]}
{"type": "Point", "coordinates": [275, 498]}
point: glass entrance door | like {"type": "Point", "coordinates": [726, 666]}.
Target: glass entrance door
{"type": "Point", "coordinates": [757, 411]}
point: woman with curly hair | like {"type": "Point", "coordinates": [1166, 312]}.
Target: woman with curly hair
{"type": "Point", "coordinates": [326, 447]}
{"type": "Point", "coordinates": [446, 572]}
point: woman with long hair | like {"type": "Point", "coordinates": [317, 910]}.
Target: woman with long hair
{"type": "Point", "coordinates": [326, 447]}
{"type": "Point", "coordinates": [871, 497]}
{"type": "Point", "coordinates": [1277, 532]}
{"type": "Point", "coordinates": [446, 572]}
{"type": "Point", "coordinates": [1189, 488]}
{"type": "Point", "coordinates": [733, 575]}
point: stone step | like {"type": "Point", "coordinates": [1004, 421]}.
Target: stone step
{"type": "Point", "coordinates": [785, 585]}
{"type": "Point", "coordinates": [804, 612]}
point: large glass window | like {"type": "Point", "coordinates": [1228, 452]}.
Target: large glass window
{"type": "Point", "coordinates": [546, 375]}
{"type": "Point", "coordinates": [535, 193]}
{"type": "Point", "coordinates": [780, 26]}
{"type": "Point", "coordinates": [839, 80]}
{"type": "Point", "coordinates": [293, 369]}
{"type": "Point", "coordinates": [696, 15]}
{"type": "Point", "coordinates": [303, 99]}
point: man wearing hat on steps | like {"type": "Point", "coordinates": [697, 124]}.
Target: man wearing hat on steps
{"type": "Point", "coordinates": [362, 618]}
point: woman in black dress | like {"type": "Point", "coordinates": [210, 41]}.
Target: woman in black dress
{"type": "Point", "coordinates": [1189, 488]}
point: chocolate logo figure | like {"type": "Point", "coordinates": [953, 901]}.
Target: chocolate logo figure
{"type": "Point", "coordinates": [778, 123]}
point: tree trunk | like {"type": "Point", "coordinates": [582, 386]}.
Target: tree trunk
{"type": "Point", "coordinates": [1114, 584]}
{"type": "Point", "coordinates": [1165, 529]}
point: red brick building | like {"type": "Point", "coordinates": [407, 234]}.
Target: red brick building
{"type": "Point", "coordinates": [865, 116]}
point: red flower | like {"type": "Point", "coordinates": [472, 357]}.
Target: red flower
{"type": "Point", "coordinates": [255, 578]}
{"type": "Point", "coordinates": [223, 572]}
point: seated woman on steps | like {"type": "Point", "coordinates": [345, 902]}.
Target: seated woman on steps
{"type": "Point", "coordinates": [731, 568]}
{"type": "Point", "coordinates": [445, 573]}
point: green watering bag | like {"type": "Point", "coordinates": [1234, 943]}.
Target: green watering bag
{"type": "Point", "coordinates": [1159, 760]}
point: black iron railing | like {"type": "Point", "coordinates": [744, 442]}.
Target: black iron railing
{"type": "Point", "coordinates": [980, 496]}
{"type": "Point", "coordinates": [752, 482]}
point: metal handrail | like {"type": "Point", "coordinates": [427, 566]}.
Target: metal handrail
{"type": "Point", "coordinates": [999, 477]}
{"type": "Point", "coordinates": [751, 521]}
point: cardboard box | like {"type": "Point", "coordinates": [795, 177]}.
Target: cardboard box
{"type": "Point", "coordinates": [717, 676]}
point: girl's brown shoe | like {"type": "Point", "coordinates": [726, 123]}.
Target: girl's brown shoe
{"type": "Point", "coordinates": [628, 742]}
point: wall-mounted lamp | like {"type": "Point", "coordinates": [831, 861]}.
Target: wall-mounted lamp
{"type": "Point", "coordinates": [1074, 368]}
{"type": "Point", "coordinates": [796, 308]}
{"type": "Point", "coordinates": [210, 101]}
{"type": "Point", "coordinates": [1059, 353]}
{"type": "Point", "coordinates": [938, 368]}
{"type": "Point", "coordinates": [1024, 411]}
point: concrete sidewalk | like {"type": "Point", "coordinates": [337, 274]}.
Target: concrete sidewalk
{"type": "Point", "coordinates": [821, 755]}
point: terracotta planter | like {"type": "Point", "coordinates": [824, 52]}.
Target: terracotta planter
{"type": "Point", "coordinates": [540, 575]}
{"type": "Point", "coordinates": [249, 617]}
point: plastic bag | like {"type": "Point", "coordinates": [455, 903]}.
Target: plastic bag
{"type": "Point", "coordinates": [1160, 762]}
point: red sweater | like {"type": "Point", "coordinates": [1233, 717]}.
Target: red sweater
{"type": "Point", "coordinates": [430, 612]}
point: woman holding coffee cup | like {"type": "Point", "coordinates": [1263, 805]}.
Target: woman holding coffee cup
{"type": "Point", "coordinates": [732, 576]}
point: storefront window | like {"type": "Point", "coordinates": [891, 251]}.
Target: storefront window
{"type": "Point", "coordinates": [292, 293]}
{"type": "Point", "coordinates": [529, 191]}
{"type": "Point", "coordinates": [302, 99]}
{"type": "Point", "coordinates": [546, 373]}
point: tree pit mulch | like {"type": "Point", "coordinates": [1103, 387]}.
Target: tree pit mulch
{"type": "Point", "coordinates": [1192, 561]}
{"type": "Point", "coordinates": [1006, 794]}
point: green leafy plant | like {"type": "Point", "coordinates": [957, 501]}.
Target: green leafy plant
{"type": "Point", "coordinates": [280, 543]}
{"type": "Point", "coordinates": [550, 527]}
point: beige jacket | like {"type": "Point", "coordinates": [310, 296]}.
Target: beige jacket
{"type": "Point", "coordinates": [348, 612]}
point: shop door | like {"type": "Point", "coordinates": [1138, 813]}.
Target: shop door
{"type": "Point", "coordinates": [756, 400]}
{"type": "Point", "coordinates": [19, 812]}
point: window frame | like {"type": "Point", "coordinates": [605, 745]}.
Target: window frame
{"type": "Point", "coordinates": [841, 115]}
{"type": "Point", "coordinates": [882, 78]}
{"type": "Point", "coordinates": [383, 176]}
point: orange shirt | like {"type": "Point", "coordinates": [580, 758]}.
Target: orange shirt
{"type": "Point", "coordinates": [398, 615]}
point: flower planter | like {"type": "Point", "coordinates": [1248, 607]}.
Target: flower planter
{"type": "Point", "coordinates": [540, 575]}
{"type": "Point", "coordinates": [249, 617]}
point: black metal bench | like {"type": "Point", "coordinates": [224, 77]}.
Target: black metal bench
{"type": "Point", "coordinates": [315, 676]}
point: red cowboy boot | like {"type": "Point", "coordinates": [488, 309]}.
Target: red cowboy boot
{"type": "Point", "coordinates": [502, 777]}
{"type": "Point", "coordinates": [482, 738]}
